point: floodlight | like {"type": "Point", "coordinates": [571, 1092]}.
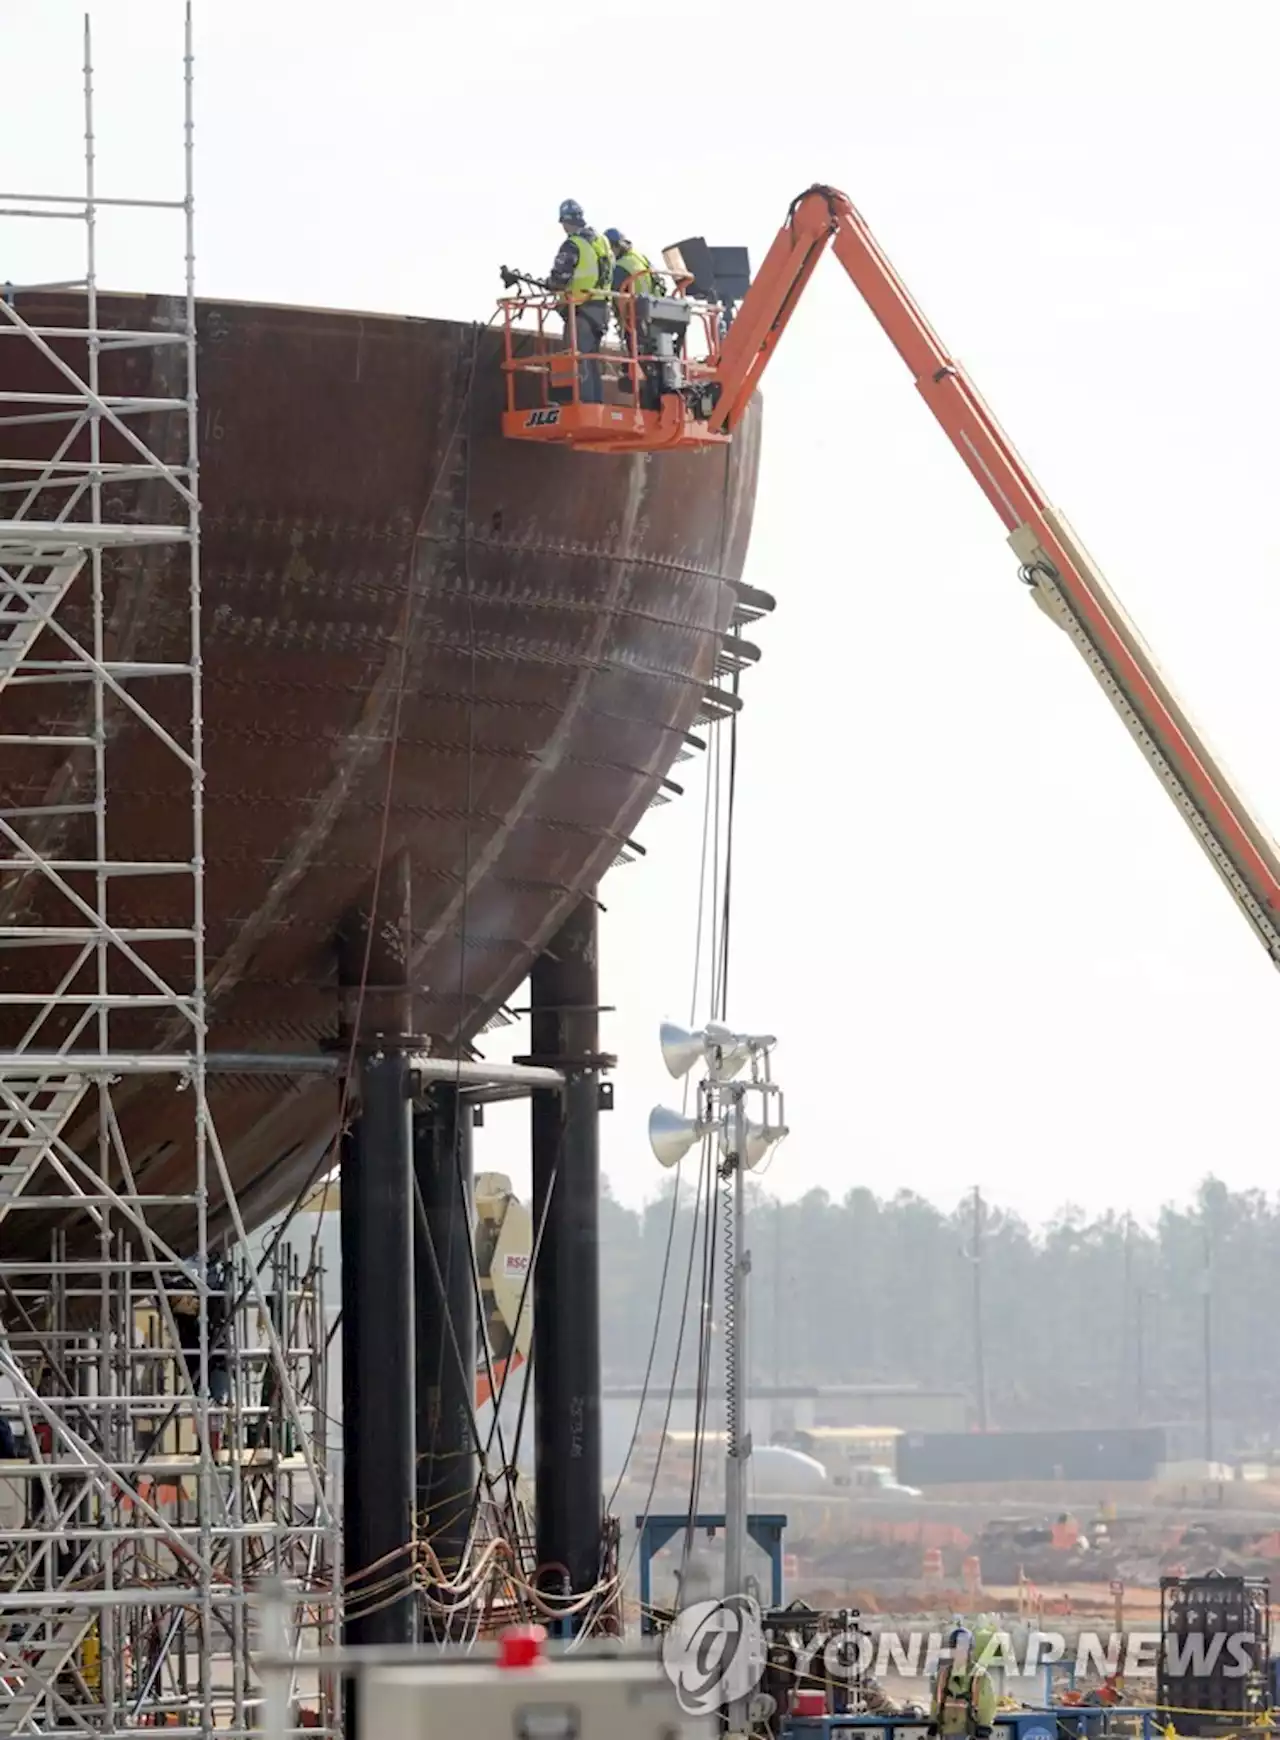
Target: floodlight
{"type": "Point", "coordinates": [724, 1052]}
{"type": "Point", "coordinates": [727, 1052]}
{"type": "Point", "coordinates": [759, 1139]}
{"type": "Point", "coordinates": [680, 1048]}
{"type": "Point", "coordinates": [671, 1135]}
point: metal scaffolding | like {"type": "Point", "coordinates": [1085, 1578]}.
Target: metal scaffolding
{"type": "Point", "coordinates": [162, 1452]}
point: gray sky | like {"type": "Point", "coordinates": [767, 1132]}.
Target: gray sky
{"type": "Point", "coordinates": [990, 947]}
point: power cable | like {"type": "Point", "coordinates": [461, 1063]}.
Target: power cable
{"type": "Point", "coordinates": [719, 911]}
{"type": "Point", "coordinates": [451, 1332]}
{"type": "Point", "coordinates": [710, 835]}
{"type": "Point", "coordinates": [535, 1255]}
{"type": "Point", "coordinates": [512, 1467]}
{"type": "Point", "coordinates": [731, 808]}
{"type": "Point", "coordinates": [653, 1343]}
{"type": "Point", "coordinates": [676, 1183]}
{"type": "Point", "coordinates": [675, 1370]}
{"type": "Point", "coordinates": [708, 1157]}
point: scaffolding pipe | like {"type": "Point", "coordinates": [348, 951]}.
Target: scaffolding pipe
{"type": "Point", "coordinates": [462, 1072]}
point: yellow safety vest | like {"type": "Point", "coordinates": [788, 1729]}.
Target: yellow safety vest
{"type": "Point", "coordinates": [593, 275]}
{"type": "Point", "coordinates": [637, 268]}
{"type": "Point", "coordinates": [964, 1701]}
{"type": "Point", "coordinates": [91, 1659]}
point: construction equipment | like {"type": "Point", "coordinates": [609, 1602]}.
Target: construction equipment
{"type": "Point", "coordinates": [1214, 1671]}
{"type": "Point", "coordinates": [522, 1691]}
{"type": "Point", "coordinates": [504, 1245]}
{"type": "Point", "coordinates": [704, 400]}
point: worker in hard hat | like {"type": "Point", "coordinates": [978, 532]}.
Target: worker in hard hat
{"type": "Point", "coordinates": [987, 1651]}
{"type": "Point", "coordinates": [964, 1697]}
{"type": "Point", "coordinates": [631, 270]}
{"type": "Point", "coordinates": [583, 270]}
{"type": "Point", "coordinates": [632, 274]}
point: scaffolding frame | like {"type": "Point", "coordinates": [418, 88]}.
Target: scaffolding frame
{"type": "Point", "coordinates": [164, 1401]}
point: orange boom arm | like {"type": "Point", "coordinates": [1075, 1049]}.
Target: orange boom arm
{"type": "Point", "coordinates": [711, 399]}
{"type": "Point", "coordinates": [1065, 581]}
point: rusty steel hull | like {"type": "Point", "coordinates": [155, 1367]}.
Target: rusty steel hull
{"type": "Point", "coordinates": [417, 637]}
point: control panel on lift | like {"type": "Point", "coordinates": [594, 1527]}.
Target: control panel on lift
{"type": "Point", "coordinates": [523, 1691]}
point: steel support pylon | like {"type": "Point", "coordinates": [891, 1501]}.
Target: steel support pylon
{"type": "Point", "coordinates": [160, 1394]}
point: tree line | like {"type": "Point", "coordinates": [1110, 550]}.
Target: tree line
{"type": "Point", "coordinates": [1085, 1321]}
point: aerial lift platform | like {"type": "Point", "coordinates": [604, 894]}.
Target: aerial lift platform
{"type": "Point", "coordinates": [702, 400]}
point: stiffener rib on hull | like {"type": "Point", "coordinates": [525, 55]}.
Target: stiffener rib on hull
{"type": "Point", "coordinates": [416, 635]}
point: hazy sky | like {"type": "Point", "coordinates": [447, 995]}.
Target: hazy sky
{"type": "Point", "coordinates": [989, 945]}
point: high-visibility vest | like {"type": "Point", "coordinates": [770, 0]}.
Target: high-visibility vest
{"type": "Point", "coordinates": [637, 268]}
{"type": "Point", "coordinates": [984, 1637]}
{"type": "Point", "coordinates": [959, 1699]}
{"type": "Point", "coordinates": [593, 275]}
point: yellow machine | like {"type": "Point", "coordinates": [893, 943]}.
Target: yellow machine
{"type": "Point", "coordinates": [504, 1246]}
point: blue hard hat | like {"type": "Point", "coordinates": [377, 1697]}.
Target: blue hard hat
{"type": "Point", "coordinates": [570, 212]}
{"type": "Point", "coordinates": [613, 237]}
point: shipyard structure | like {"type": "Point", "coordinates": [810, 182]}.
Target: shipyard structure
{"type": "Point", "coordinates": [324, 711]}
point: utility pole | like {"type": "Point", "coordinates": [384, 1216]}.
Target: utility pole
{"type": "Point", "coordinates": [1126, 1309]}
{"type": "Point", "coordinates": [777, 1297]}
{"type": "Point", "coordinates": [1140, 1362]}
{"type": "Point", "coordinates": [979, 1352]}
{"type": "Point", "coordinates": [737, 1421]}
{"type": "Point", "coordinates": [722, 1116]}
{"type": "Point", "coordinates": [1206, 1287]}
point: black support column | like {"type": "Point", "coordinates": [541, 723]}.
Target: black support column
{"type": "Point", "coordinates": [444, 1330]}
{"type": "Point", "coordinates": [377, 1266]}
{"type": "Point", "coordinates": [566, 1281]}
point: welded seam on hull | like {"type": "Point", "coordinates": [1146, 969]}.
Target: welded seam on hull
{"type": "Point", "coordinates": [322, 929]}
{"type": "Point", "coordinates": [449, 698]}
{"type": "Point", "coordinates": [358, 583]}
{"type": "Point", "coordinates": [490, 645]}
{"type": "Point", "coordinates": [300, 736]}
{"type": "Point", "coordinates": [242, 799]}
{"type": "Point", "coordinates": [737, 496]}
{"type": "Point", "coordinates": [426, 813]}
{"type": "Point", "coordinates": [271, 1189]}
{"type": "Point", "coordinates": [286, 1162]}
{"type": "Point", "coordinates": [359, 747]}
{"type": "Point", "coordinates": [574, 711]}
{"type": "Point", "coordinates": [552, 754]}
{"type": "Point", "coordinates": [511, 597]}
{"type": "Point", "coordinates": [603, 553]}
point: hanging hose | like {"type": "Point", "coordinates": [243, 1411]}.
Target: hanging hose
{"type": "Point", "coordinates": [729, 1338]}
